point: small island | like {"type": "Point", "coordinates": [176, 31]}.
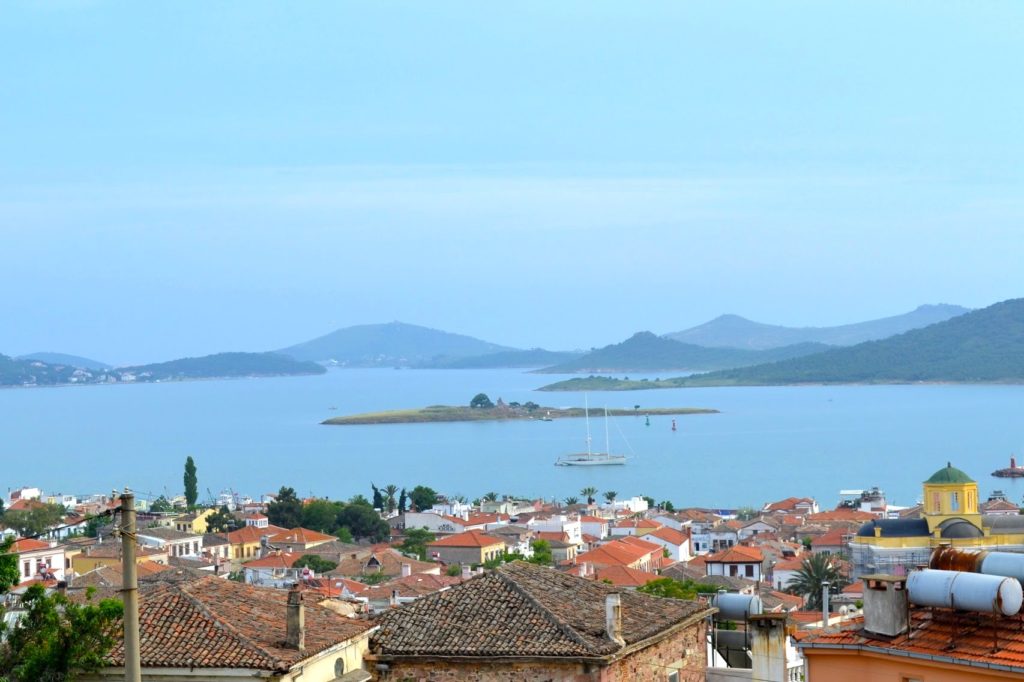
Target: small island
{"type": "Point", "coordinates": [600, 383]}
{"type": "Point", "coordinates": [481, 409]}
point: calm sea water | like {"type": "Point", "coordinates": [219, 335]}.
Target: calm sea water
{"type": "Point", "coordinates": [256, 435]}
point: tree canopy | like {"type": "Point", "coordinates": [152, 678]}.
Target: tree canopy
{"type": "Point", "coordinates": [423, 498]}
{"type": "Point", "coordinates": [286, 510]}
{"type": "Point", "coordinates": [480, 400]}
{"type": "Point", "coordinates": [677, 589]}
{"type": "Point", "coordinates": [35, 520]}
{"type": "Point", "coordinates": [191, 483]}
{"type": "Point", "coordinates": [814, 571]}
{"type": "Point", "coordinates": [315, 563]}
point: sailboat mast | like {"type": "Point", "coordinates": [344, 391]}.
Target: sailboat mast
{"type": "Point", "coordinates": [586, 412]}
{"type": "Point", "coordinates": [607, 442]}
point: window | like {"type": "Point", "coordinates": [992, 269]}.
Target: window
{"type": "Point", "coordinates": [749, 569]}
{"type": "Point", "coordinates": [954, 501]}
{"type": "Point", "coordinates": [936, 502]}
{"type": "Point", "coordinates": [673, 676]}
{"type": "Point", "coordinates": [339, 667]}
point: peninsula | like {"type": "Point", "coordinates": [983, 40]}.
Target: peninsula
{"type": "Point", "coordinates": [453, 413]}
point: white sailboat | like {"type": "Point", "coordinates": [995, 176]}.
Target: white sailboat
{"type": "Point", "coordinates": [591, 458]}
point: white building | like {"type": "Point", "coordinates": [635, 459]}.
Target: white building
{"type": "Point", "coordinates": [175, 542]}
{"type": "Point", "coordinates": [39, 560]}
{"type": "Point", "coordinates": [560, 523]}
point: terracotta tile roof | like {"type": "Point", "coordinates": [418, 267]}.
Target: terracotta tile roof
{"type": "Point", "coordinates": [788, 504]}
{"type": "Point", "coordinates": [274, 560]}
{"type": "Point", "coordinates": [834, 538]}
{"type": "Point", "coordinates": [26, 505]}
{"type": "Point", "coordinates": [773, 599]}
{"type": "Point", "coordinates": [524, 610]}
{"type": "Point", "coordinates": [616, 553]}
{"type": "Point", "coordinates": [471, 538]}
{"type": "Point", "coordinates": [386, 562]}
{"type": "Point", "coordinates": [416, 585]}
{"type": "Point", "coordinates": [637, 523]}
{"type": "Point", "coordinates": [110, 576]}
{"type": "Point", "coordinates": [642, 544]}
{"type": "Point", "coordinates": [670, 535]}
{"type": "Point", "coordinates": [217, 623]}
{"type": "Point", "coordinates": [789, 565]}
{"type": "Point", "coordinates": [479, 518]}
{"type": "Point", "coordinates": [737, 554]}
{"type": "Point", "coordinates": [933, 634]}
{"type": "Point", "coordinates": [28, 545]}
{"type": "Point", "coordinates": [998, 505]}
{"type": "Point", "coordinates": [252, 534]}
{"type": "Point", "coordinates": [841, 515]}
{"type": "Point", "coordinates": [623, 576]}
{"type": "Point", "coordinates": [302, 536]}
{"type": "Point", "coordinates": [552, 536]}
{"type": "Point", "coordinates": [593, 519]}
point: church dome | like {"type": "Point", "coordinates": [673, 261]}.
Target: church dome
{"type": "Point", "coordinates": [949, 474]}
{"type": "Point", "coordinates": [954, 529]}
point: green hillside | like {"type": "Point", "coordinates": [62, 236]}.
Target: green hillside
{"type": "Point", "coordinates": [536, 357]}
{"type": "Point", "coordinates": [985, 345]}
{"type": "Point", "coordinates": [223, 365]}
{"type": "Point", "coordinates": [645, 351]}
{"type": "Point", "coordinates": [387, 345]}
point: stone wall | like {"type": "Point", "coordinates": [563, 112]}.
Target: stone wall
{"type": "Point", "coordinates": [685, 652]}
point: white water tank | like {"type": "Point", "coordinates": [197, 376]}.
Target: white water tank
{"type": "Point", "coordinates": [1009, 564]}
{"type": "Point", "coordinates": [732, 606]}
{"type": "Point", "coordinates": [965, 591]}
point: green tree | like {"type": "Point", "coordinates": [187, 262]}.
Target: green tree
{"type": "Point", "coordinates": [589, 493]}
{"type": "Point", "coordinates": [403, 502]}
{"type": "Point", "coordinates": [364, 522]}
{"type": "Point", "coordinates": [389, 493]}
{"type": "Point", "coordinates": [453, 571]}
{"type": "Point", "coordinates": [746, 513]}
{"type": "Point", "coordinates": [571, 500]}
{"type": "Point", "coordinates": [321, 516]}
{"type": "Point", "coordinates": [423, 498]}
{"type": "Point", "coordinates": [315, 563]}
{"type": "Point", "coordinates": [541, 553]}
{"type": "Point", "coordinates": [416, 540]}
{"type": "Point", "coordinates": [34, 521]}
{"type": "Point", "coordinates": [344, 534]}
{"type": "Point", "coordinates": [491, 496]}
{"type": "Point", "coordinates": [360, 500]}
{"type": "Point", "coordinates": [677, 589]}
{"type": "Point", "coordinates": [813, 572]}
{"type": "Point", "coordinates": [610, 495]}
{"type": "Point", "coordinates": [9, 573]}
{"type": "Point", "coordinates": [58, 639]}
{"type": "Point", "coordinates": [667, 506]}
{"type": "Point", "coordinates": [191, 483]}
{"type": "Point", "coordinates": [378, 499]}
{"type": "Point", "coordinates": [651, 504]}
{"type": "Point", "coordinates": [286, 510]}
{"type": "Point", "coordinates": [161, 505]}
{"type": "Point", "coordinates": [222, 521]}
{"type": "Point", "coordinates": [481, 401]}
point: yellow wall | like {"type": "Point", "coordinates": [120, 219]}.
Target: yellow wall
{"type": "Point", "coordinates": [951, 500]}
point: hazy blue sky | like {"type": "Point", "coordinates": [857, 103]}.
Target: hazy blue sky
{"type": "Point", "coordinates": [182, 178]}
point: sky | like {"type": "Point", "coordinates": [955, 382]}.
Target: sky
{"type": "Point", "coordinates": [186, 178]}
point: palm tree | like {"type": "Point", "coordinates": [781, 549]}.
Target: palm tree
{"type": "Point", "coordinates": [569, 501]}
{"type": "Point", "coordinates": [390, 491]}
{"type": "Point", "coordinates": [814, 571]}
{"type": "Point", "coordinates": [491, 497]}
{"type": "Point", "coordinates": [589, 493]}
{"type": "Point", "coordinates": [610, 495]}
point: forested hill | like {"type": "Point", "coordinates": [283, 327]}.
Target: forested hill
{"type": "Point", "coordinates": [733, 331]}
{"type": "Point", "coordinates": [387, 345]}
{"type": "Point", "coordinates": [646, 351]}
{"type": "Point", "coordinates": [985, 345]}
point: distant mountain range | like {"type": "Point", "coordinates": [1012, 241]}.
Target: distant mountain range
{"type": "Point", "coordinates": [733, 331]}
{"type": "Point", "coordinates": [985, 345]}
{"type": "Point", "coordinates": [645, 351]}
{"type": "Point", "coordinates": [390, 345]}
{"type": "Point", "coordinates": [65, 359]}
{"type": "Point", "coordinates": [536, 357]}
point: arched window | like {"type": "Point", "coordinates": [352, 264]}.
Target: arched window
{"type": "Point", "coordinates": [339, 667]}
{"type": "Point", "coordinates": [954, 501]}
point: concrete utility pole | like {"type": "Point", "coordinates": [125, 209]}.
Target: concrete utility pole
{"type": "Point", "coordinates": [130, 590]}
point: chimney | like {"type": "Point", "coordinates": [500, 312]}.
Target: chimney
{"type": "Point", "coordinates": [613, 618]}
{"type": "Point", "coordinates": [768, 647]}
{"type": "Point", "coordinates": [406, 570]}
{"type": "Point", "coordinates": [393, 599]}
{"type": "Point", "coordinates": [295, 637]}
{"type": "Point", "coordinates": [886, 606]}
{"type": "Point", "coordinates": [467, 572]}
{"type": "Point", "coordinates": [824, 604]}
{"type": "Point", "coordinates": [264, 545]}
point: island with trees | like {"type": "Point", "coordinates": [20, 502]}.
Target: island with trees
{"type": "Point", "coordinates": [481, 408]}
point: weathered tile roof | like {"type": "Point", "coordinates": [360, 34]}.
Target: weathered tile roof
{"type": "Point", "coordinates": [300, 536]}
{"type": "Point", "coordinates": [524, 610]}
{"type": "Point", "coordinates": [964, 638]}
{"type": "Point", "coordinates": [216, 623]}
{"type": "Point", "coordinates": [471, 538]}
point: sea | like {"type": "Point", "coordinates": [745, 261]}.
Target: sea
{"type": "Point", "coordinates": [253, 436]}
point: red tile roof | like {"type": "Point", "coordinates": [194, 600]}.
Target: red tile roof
{"type": "Point", "coordinates": [617, 553]}
{"type": "Point", "coordinates": [251, 534]}
{"type": "Point", "coordinates": [300, 536]}
{"type": "Point", "coordinates": [471, 538]}
{"type": "Point", "coordinates": [28, 545]}
{"type": "Point", "coordinates": [940, 635]}
{"type": "Point", "coordinates": [841, 515]}
{"type": "Point", "coordinates": [736, 555]}
{"type": "Point", "coordinates": [623, 576]}
{"type": "Point", "coordinates": [833, 538]}
{"type": "Point", "coordinates": [670, 535]}
{"type": "Point", "coordinates": [217, 623]}
{"type": "Point", "coordinates": [274, 560]}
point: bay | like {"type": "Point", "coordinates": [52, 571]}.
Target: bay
{"type": "Point", "coordinates": [255, 435]}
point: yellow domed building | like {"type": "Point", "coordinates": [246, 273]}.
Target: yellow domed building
{"type": "Point", "coordinates": [950, 516]}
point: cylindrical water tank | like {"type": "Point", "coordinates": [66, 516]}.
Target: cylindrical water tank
{"type": "Point", "coordinates": [965, 591]}
{"type": "Point", "coordinates": [732, 606]}
{"type": "Point", "coordinates": [1008, 564]}
{"type": "Point", "coordinates": [733, 639]}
